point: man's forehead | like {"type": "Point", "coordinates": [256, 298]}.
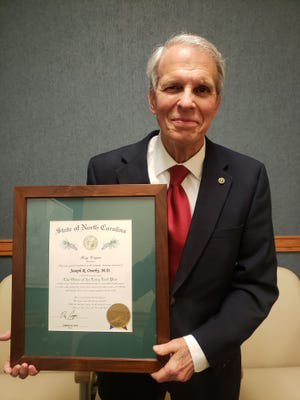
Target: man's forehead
{"type": "Point", "coordinates": [185, 52]}
{"type": "Point", "coordinates": [187, 60]}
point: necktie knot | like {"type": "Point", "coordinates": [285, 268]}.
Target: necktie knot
{"type": "Point", "coordinates": [177, 174]}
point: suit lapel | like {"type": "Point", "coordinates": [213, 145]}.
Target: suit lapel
{"type": "Point", "coordinates": [134, 169]}
{"type": "Point", "coordinates": [134, 172]}
{"type": "Point", "coordinates": [212, 195]}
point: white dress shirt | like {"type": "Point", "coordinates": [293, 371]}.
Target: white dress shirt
{"type": "Point", "coordinates": [159, 161]}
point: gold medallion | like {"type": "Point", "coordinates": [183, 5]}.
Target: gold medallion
{"type": "Point", "coordinates": [118, 315]}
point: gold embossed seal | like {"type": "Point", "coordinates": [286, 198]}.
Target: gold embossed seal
{"type": "Point", "coordinates": [118, 315]}
{"type": "Point", "coordinates": [90, 242]}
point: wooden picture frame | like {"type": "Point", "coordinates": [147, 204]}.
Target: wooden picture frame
{"type": "Point", "coordinates": [31, 341]}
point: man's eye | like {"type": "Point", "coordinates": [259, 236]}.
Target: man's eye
{"type": "Point", "coordinates": [203, 89]}
{"type": "Point", "coordinates": [173, 88]}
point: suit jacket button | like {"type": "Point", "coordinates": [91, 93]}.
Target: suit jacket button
{"type": "Point", "coordinates": [172, 300]}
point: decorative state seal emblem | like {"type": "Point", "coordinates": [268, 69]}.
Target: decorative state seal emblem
{"type": "Point", "coordinates": [90, 242]}
{"type": "Point", "coordinates": [118, 316]}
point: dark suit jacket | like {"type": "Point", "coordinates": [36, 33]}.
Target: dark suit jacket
{"type": "Point", "coordinates": [226, 281]}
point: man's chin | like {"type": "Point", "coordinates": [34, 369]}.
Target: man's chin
{"type": "Point", "coordinates": [183, 138]}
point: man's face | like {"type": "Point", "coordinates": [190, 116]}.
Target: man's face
{"type": "Point", "coordinates": [185, 100]}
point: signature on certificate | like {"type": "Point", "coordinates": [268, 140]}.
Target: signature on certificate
{"type": "Point", "coordinates": [68, 315]}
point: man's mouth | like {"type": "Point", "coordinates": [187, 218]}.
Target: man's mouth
{"type": "Point", "coordinates": [185, 122]}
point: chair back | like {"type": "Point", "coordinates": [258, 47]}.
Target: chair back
{"type": "Point", "coordinates": [276, 342]}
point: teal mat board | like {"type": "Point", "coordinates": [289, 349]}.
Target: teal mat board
{"type": "Point", "coordinates": [39, 340]}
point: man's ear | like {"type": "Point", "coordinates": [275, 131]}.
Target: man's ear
{"type": "Point", "coordinates": [152, 101]}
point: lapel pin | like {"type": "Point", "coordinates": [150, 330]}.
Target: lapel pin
{"type": "Point", "coordinates": [221, 180]}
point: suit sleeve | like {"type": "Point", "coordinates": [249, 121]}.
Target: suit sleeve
{"type": "Point", "coordinates": [254, 287]}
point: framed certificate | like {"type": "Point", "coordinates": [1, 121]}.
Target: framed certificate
{"type": "Point", "coordinates": [90, 277]}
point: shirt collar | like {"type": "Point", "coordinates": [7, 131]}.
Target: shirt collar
{"type": "Point", "coordinates": [163, 160]}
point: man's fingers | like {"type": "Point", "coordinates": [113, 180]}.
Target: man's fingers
{"type": "Point", "coordinates": [15, 370]}
{"type": "Point", "coordinates": [180, 367]}
{"type": "Point", "coordinates": [23, 372]}
{"type": "Point", "coordinates": [32, 370]}
{"type": "Point", "coordinates": [5, 336]}
{"type": "Point", "coordinates": [174, 370]}
{"type": "Point", "coordinates": [160, 375]}
{"type": "Point", "coordinates": [166, 348]}
{"type": "Point", "coordinates": [7, 368]}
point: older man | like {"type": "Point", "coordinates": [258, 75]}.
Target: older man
{"type": "Point", "coordinates": [221, 247]}
{"type": "Point", "coordinates": [222, 260]}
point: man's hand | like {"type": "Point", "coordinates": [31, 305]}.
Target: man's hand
{"type": "Point", "coordinates": [22, 371]}
{"type": "Point", "coordinates": [180, 367]}
{"type": "Point", "coordinates": [18, 370]}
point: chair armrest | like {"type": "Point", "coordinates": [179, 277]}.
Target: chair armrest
{"type": "Point", "coordinates": [88, 384]}
{"type": "Point", "coordinates": [83, 376]}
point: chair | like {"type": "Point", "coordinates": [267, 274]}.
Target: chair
{"type": "Point", "coordinates": [271, 356]}
{"type": "Point", "coordinates": [47, 385]}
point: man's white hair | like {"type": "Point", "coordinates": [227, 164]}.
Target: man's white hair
{"type": "Point", "coordinates": [188, 40]}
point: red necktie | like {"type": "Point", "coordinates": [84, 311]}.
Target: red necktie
{"type": "Point", "coordinates": [179, 217]}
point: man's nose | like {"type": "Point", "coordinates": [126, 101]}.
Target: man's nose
{"type": "Point", "coordinates": [186, 99]}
